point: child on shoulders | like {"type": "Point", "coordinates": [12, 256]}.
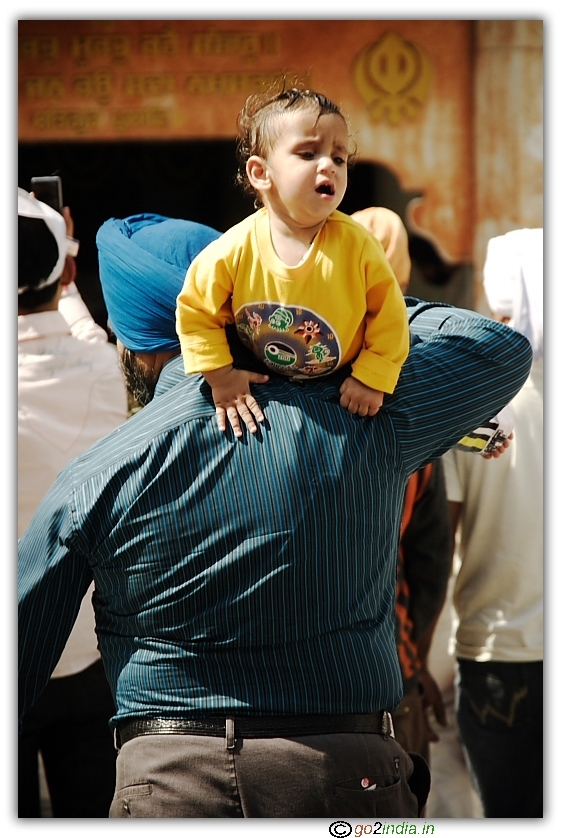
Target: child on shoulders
{"type": "Point", "coordinates": [308, 287]}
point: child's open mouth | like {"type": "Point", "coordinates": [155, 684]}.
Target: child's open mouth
{"type": "Point", "coordinates": [325, 189]}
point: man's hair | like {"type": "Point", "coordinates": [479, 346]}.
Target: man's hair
{"type": "Point", "coordinates": [257, 129]}
{"type": "Point", "coordinates": [37, 256]}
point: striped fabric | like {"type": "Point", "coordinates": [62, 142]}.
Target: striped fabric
{"type": "Point", "coordinates": [254, 576]}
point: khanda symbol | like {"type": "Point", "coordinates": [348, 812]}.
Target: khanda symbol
{"type": "Point", "coordinates": [393, 77]}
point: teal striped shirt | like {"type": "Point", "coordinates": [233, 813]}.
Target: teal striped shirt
{"type": "Point", "coordinates": [256, 576]}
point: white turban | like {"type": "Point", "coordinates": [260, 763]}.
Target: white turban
{"type": "Point", "coordinates": [513, 282]}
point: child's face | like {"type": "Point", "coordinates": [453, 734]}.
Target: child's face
{"type": "Point", "coordinates": [307, 167]}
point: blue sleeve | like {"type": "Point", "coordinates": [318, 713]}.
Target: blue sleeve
{"type": "Point", "coordinates": [52, 580]}
{"type": "Point", "coordinates": [462, 369]}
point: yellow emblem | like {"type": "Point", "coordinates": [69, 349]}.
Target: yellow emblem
{"type": "Point", "coordinates": [393, 77]}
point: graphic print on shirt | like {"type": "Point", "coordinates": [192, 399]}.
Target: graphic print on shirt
{"type": "Point", "coordinates": [290, 340]}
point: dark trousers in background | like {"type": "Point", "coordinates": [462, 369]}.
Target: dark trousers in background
{"type": "Point", "coordinates": [500, 715]}
{"type": "Point", "coordinates": [410, 723]}
{"type": "Point", "coordinates": [69, 725]}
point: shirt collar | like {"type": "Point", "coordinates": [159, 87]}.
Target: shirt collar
{"type": "Point", "coordinates": [172, 373]}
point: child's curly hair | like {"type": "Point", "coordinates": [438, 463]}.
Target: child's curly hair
{"type": "Point", "coordinates": [256, 122]}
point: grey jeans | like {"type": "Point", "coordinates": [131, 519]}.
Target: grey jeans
{"type": "Point", "coordinates": [321, 776]}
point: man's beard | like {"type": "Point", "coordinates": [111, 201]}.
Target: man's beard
{"type": "Point", "coordinates": [140, 381]}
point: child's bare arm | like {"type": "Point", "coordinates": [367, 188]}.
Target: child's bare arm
{"type": "Point", "coordinates": [232, 397]}
{"type": "Point", "coordinates": [358, 398]}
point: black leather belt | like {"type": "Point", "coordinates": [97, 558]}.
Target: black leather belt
{"type": "Point", "coordinates": [257, 727]}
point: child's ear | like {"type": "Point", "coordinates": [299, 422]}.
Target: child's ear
{"type": "Point", "coordinates": [258, 174]}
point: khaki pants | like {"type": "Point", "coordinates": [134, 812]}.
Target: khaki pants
{"type": "Point", "coordinates": [185, 776]}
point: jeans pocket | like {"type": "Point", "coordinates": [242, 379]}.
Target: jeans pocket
{"type": "Point", "coordinates": [497, 703]}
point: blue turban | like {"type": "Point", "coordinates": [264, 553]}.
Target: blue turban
{"type": "Point", "coordinates": [143, 260]}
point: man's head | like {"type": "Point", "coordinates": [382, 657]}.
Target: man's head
{"type": "Point", "coordinates": [143, 260]}
{"type": "Point", "coordinates": [42, 249]}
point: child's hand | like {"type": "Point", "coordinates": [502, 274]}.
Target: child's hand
{"type": "Point", "coordinates": [358, 398]}
{"type": "Point", "coordinates": [232, 397]}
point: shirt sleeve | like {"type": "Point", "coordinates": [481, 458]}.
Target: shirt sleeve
{"type": "Point", "coordinates": [387, 334]}
{"type": "Point", "coordinates": [81, 323]}
{"type": "Point", "coordinates": [462, 369]}
{"type": "Point", "coordinates": [53, 578]}
{"type": "Point", "coordinates": [203, 309]}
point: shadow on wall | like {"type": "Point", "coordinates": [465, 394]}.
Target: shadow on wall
{"type": "Point", "coordinates": [432, 278]}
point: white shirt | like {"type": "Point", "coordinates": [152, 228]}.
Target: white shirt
{"type": "Point", "coordinates": [70, 394]}
{"type": "Point", "coordinates": [498, 594]}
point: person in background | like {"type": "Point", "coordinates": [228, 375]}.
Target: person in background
{"type": "Point", "coordinates": [497, 508]}
{"type": "Point", "coordinates": [424, 554]}
{"type": "Point", "coordinates": [387, 226]}
{"type": "Point", "coordinates": [70, 393]}
{"type": "Point", "coordinates": [424, 566]}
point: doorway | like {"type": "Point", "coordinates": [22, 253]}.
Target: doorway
{"type": "Point", "coordinates": [195, 179]}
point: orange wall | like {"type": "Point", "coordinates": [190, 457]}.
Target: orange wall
{"type": "Point", "coordinates": [406, 87]}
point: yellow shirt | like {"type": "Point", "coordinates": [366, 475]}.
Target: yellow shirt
{"type": "Point", "coordinates": [341, 303]}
